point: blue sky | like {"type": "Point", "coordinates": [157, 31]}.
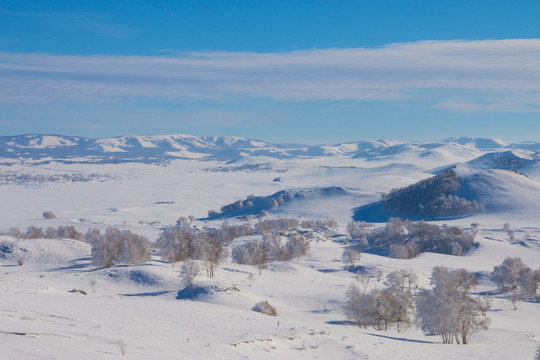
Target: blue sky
{"type": "Point", "coordinates": [309, 71]}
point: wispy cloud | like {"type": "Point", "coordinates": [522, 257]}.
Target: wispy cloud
{"type": "Point", "coordinates": [497, 75]}
{"type": "Point", "coordinates": [90, 22]}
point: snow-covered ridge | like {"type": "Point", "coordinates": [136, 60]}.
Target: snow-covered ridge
{"type": "Point", "coordinates": [156, 148]}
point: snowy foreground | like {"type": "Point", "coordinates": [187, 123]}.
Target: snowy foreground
{"type": "Point", "coordinates": [143, 311]}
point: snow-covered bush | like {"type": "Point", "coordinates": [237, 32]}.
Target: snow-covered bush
{"type": "Point", "coordinates": [448, 310]}
{"type": "Point", "coordinates": [264, 307]}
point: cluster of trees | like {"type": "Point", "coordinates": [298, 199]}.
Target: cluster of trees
{"type": "Point", "coordinates": [277, 226]}
{"type": "Point", "coordinates": [181, 243]}
{"type": "Point", "coordinates": [281, 241]}
{"type": "Point", "coordinates": [118, 247]}
{"type": "Point", "coordinates": [431, 197]}
{"type": "Point", "coordinates": [448, 309]}
{"type": "Point", "coordinates": [270, 248]}
{"type": "Point", "coordinates": [318, 224]}
{"type": "Point", "coordinates": [517, 278]}
{"type": "Point", "coordinates": [406, 239]}
{"type": "Point", "coordinates": [61, 232]}
{"type": "Point", "coordinates": [13, 178]}
{"type": "Point", "coordinates": [384, 308]}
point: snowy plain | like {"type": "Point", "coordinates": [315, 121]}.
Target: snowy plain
{"type": "Point", "coordinates": [130, 182]}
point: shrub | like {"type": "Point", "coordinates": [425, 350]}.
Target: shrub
{"type": "Point", "coordinates": [49, 215]}
{"type": "Point", "coordinates": [264, 307]}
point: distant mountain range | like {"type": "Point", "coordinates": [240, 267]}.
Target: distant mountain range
{"type": "Point", "coordinates": [158, 148]}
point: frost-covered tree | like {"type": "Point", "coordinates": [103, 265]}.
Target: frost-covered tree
{"type": "Point", "coordinates": [33, 233]}
{"type": "Point", "coordinates": [212, 251]}
{"type": "Point", "coordinates": [251, 253]}
{"type": "Point", "coordinates": [135, 249]}
{"type": "Point", "coordinates": [448, 309]}
{"type": "Point", "coordinates": [69, 232]}
{"type": "Point", "coordinates": [360, 306]}
{"type": "Point", "coordinates": [15, 232]}
{"type": "Point", "coordinates": [92, 235]}
{"type": "Point", "coordinates": [516, 278]}
{"type": "Point", "coordinates": [509, 232]}
{"type": "Point", "coordinates": [350, 256]}
{"type": "Point", "coordinates": [176, 244]}
{"type": "Point", "coordinates": [51, 233]}
{"type": "Point", "coordinates": [182, 221]}
{"type": "Point", "coordinates": [380, 308]}
{"type": "Point", "coordinates": [357, 232]}
{"type": "Point", "coordinates": [507, 275]}
{"type": "Point", "coordinates": [402, 279]}
{"type": "Point", "coordinates": [190, 270]}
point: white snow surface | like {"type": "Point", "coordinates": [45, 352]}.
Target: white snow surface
{"type": "Point", "coordinates": [146, 308]}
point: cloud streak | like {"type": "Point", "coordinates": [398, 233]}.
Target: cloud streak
{"type": "Point", "coordinates": [496, 75]}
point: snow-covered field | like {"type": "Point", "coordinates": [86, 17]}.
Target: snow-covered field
{"type": "Point", "coordinates": [144, 311]}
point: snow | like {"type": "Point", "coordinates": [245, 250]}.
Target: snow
{"type": "Point", "coordinates": [146, 307]}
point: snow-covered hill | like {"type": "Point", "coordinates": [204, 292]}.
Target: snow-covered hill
{"type": "Point", "coordinates": [144, 184]}
{"type": "Point", "coordinates": [156, 148]}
